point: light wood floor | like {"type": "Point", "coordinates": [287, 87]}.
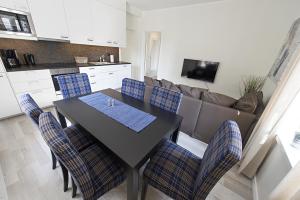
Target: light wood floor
{"type": "Point", "coordinates": [26, 174]}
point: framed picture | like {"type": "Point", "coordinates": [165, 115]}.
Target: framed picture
{"type": "Point", "coordinates": [286, 52]}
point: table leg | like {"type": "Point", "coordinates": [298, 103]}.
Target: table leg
{"type": "Point", "coordinates": [61, 119]}
{"type": "Point", "coordinates": [132, 184]}
{"type": "Point", "coordinates": [174, 136]}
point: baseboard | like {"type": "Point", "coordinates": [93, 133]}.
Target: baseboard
{"type": "Point", "coordinates": [254, 189]}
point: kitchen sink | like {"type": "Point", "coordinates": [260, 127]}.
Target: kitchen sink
{"type": "Point", "coordinates": [100, 63]}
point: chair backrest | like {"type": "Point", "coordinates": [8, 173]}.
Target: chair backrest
{"type": "Point", "coordinates": [30, 108]}
{"type": "Point", "coordinates": [133, 88]}
{"type": "Point", "coordinates": [72, 85]}
{"type": "Point", "coordinates": [60, 145]}
{"type": "Point", "coordinates": [223, 152]}
{"type": "Point", "coordinates": [165, 99]}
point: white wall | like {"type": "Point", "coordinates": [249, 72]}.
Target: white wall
{"type": "Point", "coordinates": [243, 35]}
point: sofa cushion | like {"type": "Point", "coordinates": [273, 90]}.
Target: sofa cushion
{"type": "Point", "coordinates": [189, 109]}
{"type": "Point", "coordinates": [152, 82]}
{"type": "Point", "coordinates": [247, 103]}
{"type": "Point", "coordinates": [169, 85]}
{"type": "Point", "coordinates": [260, 104]}
{"type": "Point", "coordinates": [192, 91]}
{"type": "Point", "coordinates": [218, 99]}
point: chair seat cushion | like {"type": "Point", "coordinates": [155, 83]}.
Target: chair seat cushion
{"type": "Point", "coordinates": [173, 170]}
{"type": "Point", "coordinates": [105, 170]}
{"type": "Point", "coordinates": [78, 137]}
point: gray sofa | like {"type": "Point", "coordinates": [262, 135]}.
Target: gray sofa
{"type": "Point", "coordinates": [201, 119]}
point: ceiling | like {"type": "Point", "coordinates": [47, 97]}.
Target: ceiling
{"type": "Point", "coordinates": [159, 4]}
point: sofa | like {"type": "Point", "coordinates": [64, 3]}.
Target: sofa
{"type": "Point", "coordinates": [204, 111]}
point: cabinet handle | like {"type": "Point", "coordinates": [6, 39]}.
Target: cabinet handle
{"type": "Point", "coordinates": [92, 76]}
{"type": "Point", "coordinates": [115, 42]}
{"type": "Point", "coordinates": [1, 76]}
{"type": "Point", "coordinates": [36, 91]}
{"type": "Point", "coordinates": [93, 83]}
{"type": "Point", "coordinates": [109, 42]}
{"type": "Point", "coordinates": [91, 68]}
{"type": "Point", "coordinates": [110, 73]}
{"type": "Point", "coordinates": [90, 39]}
{"type": "Point", "coordinates": [64, 37]}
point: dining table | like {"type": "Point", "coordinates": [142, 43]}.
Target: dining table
{"type": "Point", "coordinates": [133, 148]}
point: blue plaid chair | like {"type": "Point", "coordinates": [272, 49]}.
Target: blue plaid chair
{"type": "Point", "coordinates": [184, 176]}
{"type": "Point", "coordinates": [93, 170]}
{"type": "Point", "coordinates": [165, 99]}
{"type": "Point", "coordinates": [30, 108]}
{"type": "Point", "coordinates": [133, 88]}
{"type": "Point", "coordinates": [73, 85]}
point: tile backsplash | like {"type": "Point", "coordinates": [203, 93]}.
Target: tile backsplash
{"type": "Point", "coordinates": [56, 52]}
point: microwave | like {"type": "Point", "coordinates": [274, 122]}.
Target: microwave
{"type": "Point", "coordinates": [16, 23]}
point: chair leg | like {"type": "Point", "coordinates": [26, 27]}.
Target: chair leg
{"type": "Point", "coordinates": [65, 176]}
{"type": "Point", "coordinates": [74, 189]}
{"type": "Point", "coordinates": [144, 188]}
{"type": "Point", "coordinates": [53, 160]}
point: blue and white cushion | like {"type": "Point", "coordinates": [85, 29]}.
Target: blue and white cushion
{"type": "Point", "coordinates": [183, 176]}
{"type": "Point", "coordinates": [30, 108]}
{"type": "Point", "coordinates": [133, 88]}
{"type": "Point", "coordinates": [94, 170]}
{"type": "Point", "coordinates": [165, 99]}
{"type": "Point", "coordinates": [73, 85]}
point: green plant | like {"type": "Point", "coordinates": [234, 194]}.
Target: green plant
{"type": "Point", "coordinates": [252, 84]}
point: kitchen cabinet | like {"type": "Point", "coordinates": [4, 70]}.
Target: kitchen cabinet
{"type": "Point", "coordinates": [80, 21]}
{"type": "Point", "coordinates": [20, 5]}
{"type": "Point", "coordinates": [118, 4]}
{"type": "Point", "coordinates": [109, 76]}
{"type": "Point", "coordinates": [49, 19]}
{"type": "Point", "coordinates": [112, 30]}
{"type": "Point", "coordinates": [37, 83]}
{"type": "Point", "coordinates": [9, 105]}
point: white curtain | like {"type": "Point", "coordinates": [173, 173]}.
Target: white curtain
{"type": "Point", "coordinates": [264, 133]}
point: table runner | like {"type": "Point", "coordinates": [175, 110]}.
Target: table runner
{"type": "Point", "coordinates": [125, 114]}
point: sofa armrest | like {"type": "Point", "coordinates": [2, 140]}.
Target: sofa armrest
{"type": "Point", "coordinates": [212, 116]}
{"type": "Point", "coordinates": [189, 109]}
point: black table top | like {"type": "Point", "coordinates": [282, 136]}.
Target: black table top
{"type": "Point", "coordinates": [128, 145]}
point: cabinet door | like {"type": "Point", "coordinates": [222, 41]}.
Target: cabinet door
{"type": "Point", "coordinates": [49, 19]}
{"type": "Point", "coordinates": [79, 18]}
{"type": "Point", "coordinates": [9, 105]}
{"type": "Point", "coordinates": [118, 31]}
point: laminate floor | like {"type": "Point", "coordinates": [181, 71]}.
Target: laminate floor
{"type": "Point", "coordinates": [26, 174]}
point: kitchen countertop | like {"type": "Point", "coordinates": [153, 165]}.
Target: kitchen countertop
{"type": "Point", "coordinates": [56, 66]}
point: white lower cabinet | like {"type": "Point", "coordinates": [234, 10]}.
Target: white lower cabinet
{"type": "Point", "coordinates": [110, 76]}
{"type": "Point", "coordinates": [9, 105]}
{"type": "Point", "coordinates": [37, 83]}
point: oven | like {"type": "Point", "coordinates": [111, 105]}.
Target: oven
{"type": "Point", "coordinates": [57, 72]}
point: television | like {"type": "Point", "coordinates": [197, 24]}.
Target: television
{"type": "Point", "coordinates": [200, 70]}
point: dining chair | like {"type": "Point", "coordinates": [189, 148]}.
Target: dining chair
{"type": "Point", "coordinates": [183, 176]}
{"type": "Point", "coordinates": [133, 88]}
{"type": "Point", "coordinates": [72, 85]}
{"type": "Point", "coordinates": [77, 136]}
{"type": "Point", "coordinates": [93, 170]}
{"type": "Point", "coordinates": [165, 99]}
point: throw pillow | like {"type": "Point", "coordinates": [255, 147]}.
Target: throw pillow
{"type": "Point", "coordinates": [260, 104]}
{"type": "Point", "coordinates": [151, 82]}
{"type": "Point", "coordinates": [247, 103]}
{"type": "Point", "coordinates": [192, 91]}
{"type": "Point", "coordinates": [169, 85]}
{"type": "Point", "coordinates": [219, 99]}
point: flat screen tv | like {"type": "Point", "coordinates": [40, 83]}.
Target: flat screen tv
{"type": "Point", "coordinates": [200, 70]}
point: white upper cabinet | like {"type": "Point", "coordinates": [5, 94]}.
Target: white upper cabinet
{"type": "Point", "coordinates": [20, 5]}
{"type": "Point", "coordinates": [109, 24]}
{"type": "Point", "coordinates": [118, 4]}
{"type": "Point", "coordinates": [80, 22]}
{"type": "Point", "coordinates": [49, 19]}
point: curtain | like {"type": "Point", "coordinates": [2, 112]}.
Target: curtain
{"type": "Point", "coordinates": [288, 86]}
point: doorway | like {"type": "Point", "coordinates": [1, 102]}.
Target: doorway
{"type": "Point", "coordinates": [152, 53]}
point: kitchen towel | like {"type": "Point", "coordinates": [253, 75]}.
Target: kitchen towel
{"type": "Point", "coordinates": [125, 114]}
